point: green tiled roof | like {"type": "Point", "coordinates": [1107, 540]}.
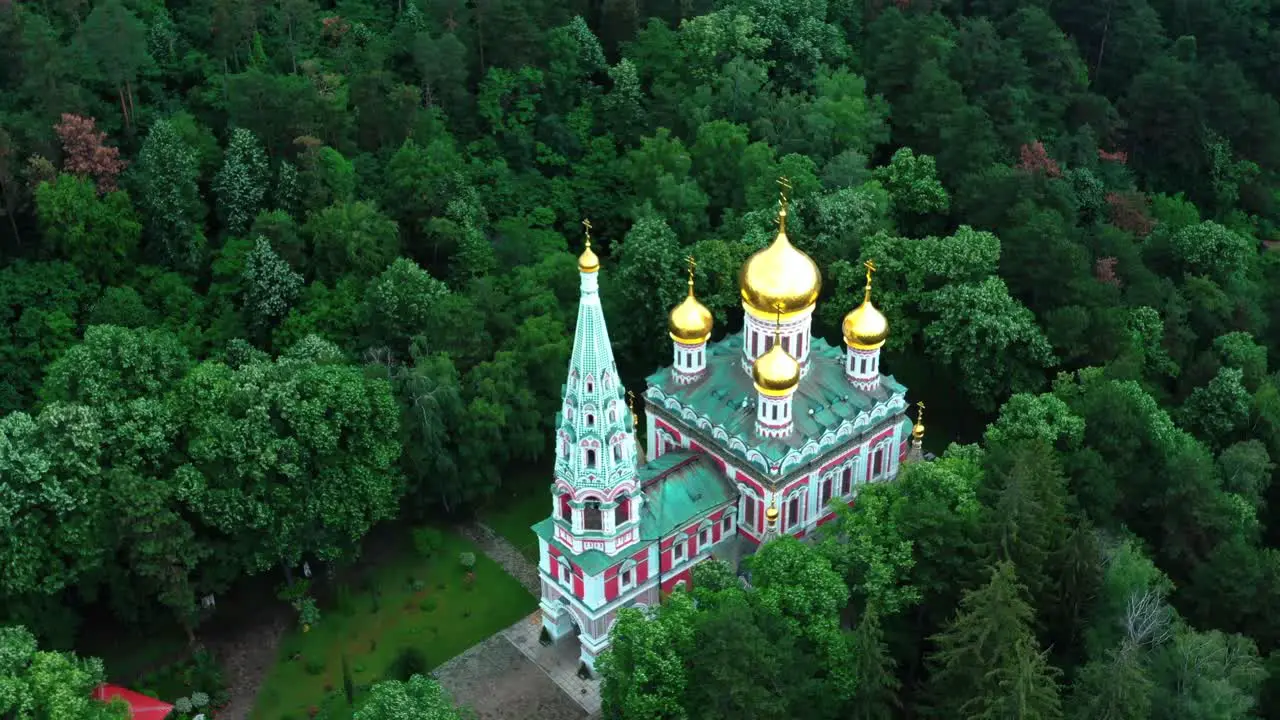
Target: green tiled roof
{"type": "Point", "coordinates": [679, 487]}
{"type": "Point", "coordinates": [684, 488]}
{"type": "Point", "coordinates": [823, 402]}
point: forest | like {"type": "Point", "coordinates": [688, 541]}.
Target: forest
{"type": "Point", "coordinates": [273, 274]}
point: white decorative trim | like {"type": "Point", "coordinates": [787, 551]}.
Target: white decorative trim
{"type": "Point", "coordinates": [830, 440]}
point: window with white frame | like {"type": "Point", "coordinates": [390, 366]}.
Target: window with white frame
{"type": "Point", "coordinates": [677, 553]}
{"type": "Point", "coordinates": [824, 494]}
{"type": "Point", "coordinates": [704, 537]}
{"type": "Point", "coordinates": [846, 481]}
{"type": "Point", "coordinates": [627, 578]}
{"type": "Point", "coordinates": [566, 573]}
{"type": "Point", "coordinates": [726, 525]}
{"type": "Point", "coordinates": [793, 511]}
{"type": "Point", "coordinates": [591, 457]}
{"type": "Point", "coordinates": [749, 512]}
{"type": "Point", "coordinates": [877, 463]}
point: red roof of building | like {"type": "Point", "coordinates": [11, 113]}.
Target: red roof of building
{"type": "Point", "coordinates": [141, 707]}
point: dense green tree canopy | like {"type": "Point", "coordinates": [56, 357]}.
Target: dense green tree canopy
{"type": "Point", "coordinates": [270, 276]}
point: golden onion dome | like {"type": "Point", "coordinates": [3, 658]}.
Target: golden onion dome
{"type": "Point", "coordinates": [690, 322]}
{"type": "Point", "coordinates": [865, 327]}
{"type": "Point", "coordinates": [771, 515]}
{"type": "Point", "coordinates": [917, 430]}
{"type": "Point", "coordinates": [588, 261]}
{"type": "Point", "coordinates": [775, 372]}
{"type": "Point", "coordinates": [780, 278]}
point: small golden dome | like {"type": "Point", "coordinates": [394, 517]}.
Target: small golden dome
{"type": "Point", "coordinates": [588, 262]}
{"type": "Point", "coordinates": [771, 515]}
{"type": "Point", "coordinates": [917, 430]}
{"type": "Point", "coordinates": [780, 277]}
{"type": "Point", "coordinates": [865, 327]}
{"type": "Point", "coordinates": [776, 373]}
{"type": "Point", "coordinates": [690, 321]}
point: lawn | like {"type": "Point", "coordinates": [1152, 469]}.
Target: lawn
{"type": "Point", "coordinates": [523, 500]}
{"type": "Point", "coordinates": [512, 516]}
{"type": "Point", "coordinates": [422, 604]}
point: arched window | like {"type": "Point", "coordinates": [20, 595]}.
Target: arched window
{"type": "Point", "coordinates": [591, 386]}
{"type": "Point", "coordinates": [749, 512]}
{"type": "Point", "coordinates": [591, 420]}
{"type": "Point", "coordinates": [617, 452]}
{"type": "Point", "coordinates": [621, 513]}
{"type": "Point", "coordinates": [591, 457]}
{"type": "Point", "coordinates": [846, 481]}
{"type": "Point", "coordinates": [877, 465]}
{"type": "Point", "coordinates": [793, 512]}
{"type": "Point", "coordinates": [591, 516]}
{"type": "Point", "coordinates": [824, 495]}
{"type": "Point", "coordinates": [566, 512]}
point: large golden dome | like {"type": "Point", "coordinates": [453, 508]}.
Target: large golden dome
{"type": "Point", "coordinates": [865, 327]}
{"type": "Point", "coordinates": [690, 322]}
{"type": "Point", "coordinates": [776, 373]}
{"type": "Point", "coordinates": [780, 278]}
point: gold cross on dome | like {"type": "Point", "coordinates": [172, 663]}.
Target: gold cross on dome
{"type": "Point", "coordinates": [870, 265]}
{"type": "Point", "coordinates": [586, 224]}
{"type": "Point", "coordinates": [692, 264]}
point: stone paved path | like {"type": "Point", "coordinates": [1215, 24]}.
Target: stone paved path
{"type": "Point", "coordinates": [499, 683]}
{"type": "Point", "coordinates": [246, 658]}
{"type": "Point", "coordinates": [505, 554]}
{"type": "Point", "coordinates": [557, 665]}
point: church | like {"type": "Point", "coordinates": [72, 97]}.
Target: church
{"type": "Point", "coordinates": [756, 435]}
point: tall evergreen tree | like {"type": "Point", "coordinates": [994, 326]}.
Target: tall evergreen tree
{"type": "Point", "coordinates": [877, 694]}
{"type": "Point", "coordinates": [988, 664]}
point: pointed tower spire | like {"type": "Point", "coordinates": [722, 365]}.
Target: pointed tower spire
{"type": "Point", "coordinates": [595, 434]}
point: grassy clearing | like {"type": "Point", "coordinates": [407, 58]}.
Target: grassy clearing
{"type": "Point", "coordinates": [512, 516]}
{"type": "Point", "coordinates": [405, 602]}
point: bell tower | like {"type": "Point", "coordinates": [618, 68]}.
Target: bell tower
{"type": "Point", "coordinates": [595, 489]}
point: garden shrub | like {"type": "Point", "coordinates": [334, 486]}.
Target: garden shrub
{"type": "Point", "coordinates": [427, 541]}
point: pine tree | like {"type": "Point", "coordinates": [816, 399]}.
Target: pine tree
{"type": "Point", "coordinates": [988, 663]}
{"type": "Point", "coordinates": [1026, 524]}
{"type": "Point", "coordinates": [241, 184]}
{"type": "Point", "coordinates": [1117, 688]}
{"type": "Point", "coordinates": [877, 694]}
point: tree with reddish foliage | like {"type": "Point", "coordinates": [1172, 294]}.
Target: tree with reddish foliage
{"type": "Point", "coordinates": [1104, 269]}
{"type": "Point", "coordinates": [1034, 159]}
{"type": "Point", "coordinates": [1119, 156]}
{"type": "Point", "coordinates": [1129, 212]}
{"type": "Point", "coordinates": [84, 153]}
